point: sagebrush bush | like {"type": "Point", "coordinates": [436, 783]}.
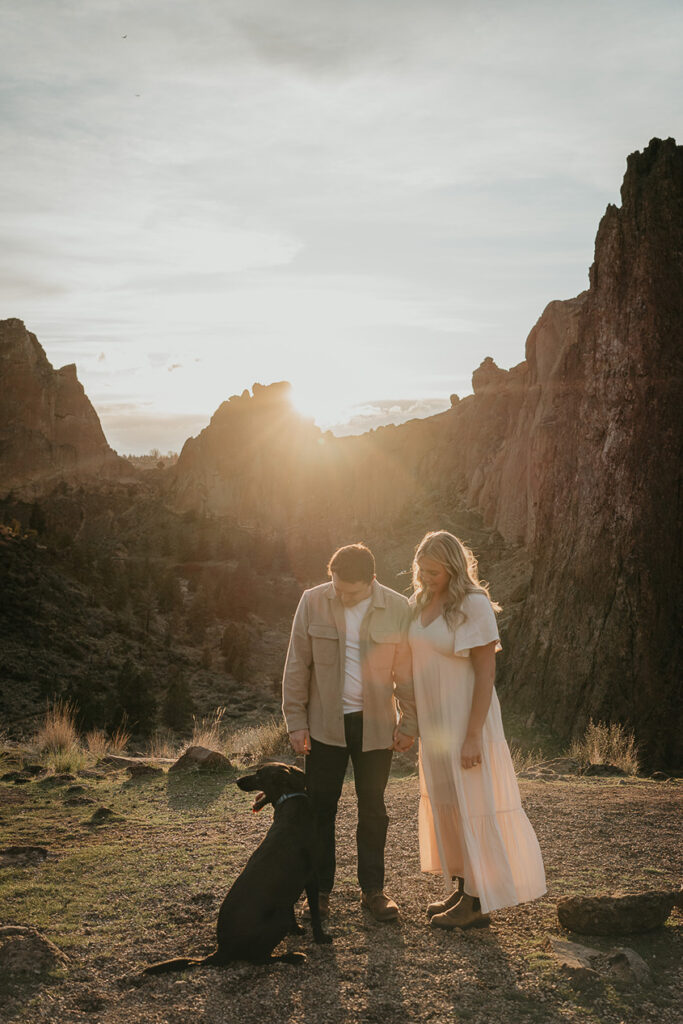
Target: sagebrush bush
{"type": "Point", "coordinates": [607, 744]}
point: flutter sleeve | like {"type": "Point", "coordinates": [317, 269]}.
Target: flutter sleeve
{"type": "Point", "coordinates": [479, 627]}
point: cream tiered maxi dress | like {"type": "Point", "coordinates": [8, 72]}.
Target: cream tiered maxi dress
{"type": "Point", "coordinates": [471, 821]}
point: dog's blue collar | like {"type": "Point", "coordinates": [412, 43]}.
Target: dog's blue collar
{"type": "Point", "coordinates": [288, 796]}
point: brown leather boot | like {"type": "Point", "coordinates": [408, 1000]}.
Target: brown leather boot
{"type": "Point", "coordinates": [465, 914]}
{"type": "Point", "coordinates": [450, 901]}
{"type": "Point", "coordinates": [381, 906]}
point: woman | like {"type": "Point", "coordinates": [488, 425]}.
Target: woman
{"type": "Point", "coordinates": [471, 824]}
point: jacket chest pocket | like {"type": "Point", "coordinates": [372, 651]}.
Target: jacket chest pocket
{"type": "Point", "coordinates": [383, 647]}
{"type": "Point", "coordinates": [324, 644]}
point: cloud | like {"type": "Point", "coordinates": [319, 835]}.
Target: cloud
{"type": "Point", "coordinates": [387, 411]}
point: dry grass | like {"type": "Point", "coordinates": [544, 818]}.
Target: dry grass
{"type": "Point", "coordinates": [260, 742]}
{"type": "Point", "coordinates": [60, 745]}
{"type": "Point", "coordinates": [119, 740]}
{"type": "Point", "coordinates": [523, 760]}
{"type": "Point", "coordinates": [607, 744]}
{"type": "Point", "coordinates": [58, 732]}
{"type": "Point", "coordinates": [209, 731]}
{"type": "Point", "coordinates": [163, 743]}
{"type": "Point", "coordinates": [57, 739]}
{"type": "Point", "coordinates": [97, 742]}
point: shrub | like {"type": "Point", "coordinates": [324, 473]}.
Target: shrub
{"type": "Point", "coordinates": [134, 704]}
{"type": "Point", "coordinates": [178, 706]}
{"type": "Point", "coordinates": [607, 744]}
{"type": "Point", "coordinates": [235, 647]}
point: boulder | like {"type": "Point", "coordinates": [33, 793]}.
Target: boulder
{"type": "Point", "coordinates": [615, 915]}
{"type": "Point", "coordinates": [201, 758]}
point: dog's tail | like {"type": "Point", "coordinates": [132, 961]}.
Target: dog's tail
{"type": "Point", "coordinates": [182, 963]}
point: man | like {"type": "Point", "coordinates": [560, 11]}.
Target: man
{"type": "Point", "coordinates": [348, 667]}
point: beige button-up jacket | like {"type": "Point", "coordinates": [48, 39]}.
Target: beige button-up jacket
{"type": "Point", "coordinates": [313, 681]}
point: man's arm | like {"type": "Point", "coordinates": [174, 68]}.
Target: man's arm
{"type": "Point", "coordinates": [406, 730]}
{"type": "Point", "coordinates": [296, 680]}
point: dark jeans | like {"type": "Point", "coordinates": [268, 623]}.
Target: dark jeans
{"type": "Point", "coordinates": [325, 768]}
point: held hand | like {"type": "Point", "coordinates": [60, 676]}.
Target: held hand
{"type": "Point", "coordinates": [402, 741]}
{"type": "Point", "coordinates": [470, 754]}
{"type": "Point", "coordinates": [301, 741]}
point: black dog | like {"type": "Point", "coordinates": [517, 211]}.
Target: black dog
{"type": "Point", "coordinates": [258, 911]}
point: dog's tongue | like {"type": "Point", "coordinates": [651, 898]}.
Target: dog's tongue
{"type": "Point", "coordinates": [260, 801]}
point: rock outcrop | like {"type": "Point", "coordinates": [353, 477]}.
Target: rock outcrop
{"type": "Point", "coordinates": [572, 456]}
{"type": "Point", "coordinates": [49, 431]}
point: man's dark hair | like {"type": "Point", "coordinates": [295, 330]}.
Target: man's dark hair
{"type": "Point", "coordinates": [353, 563]}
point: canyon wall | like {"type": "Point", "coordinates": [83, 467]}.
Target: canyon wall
{"type": "Point", "coordinates": [49, 431]}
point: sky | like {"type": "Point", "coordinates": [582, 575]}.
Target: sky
{"type": "Point", "coordinates": [363, 197]}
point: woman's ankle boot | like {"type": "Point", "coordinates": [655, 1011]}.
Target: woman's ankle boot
{"type": "Point", "coordinates": [465, 914]}
{"type": "Point", "coordinates": [450, 901]}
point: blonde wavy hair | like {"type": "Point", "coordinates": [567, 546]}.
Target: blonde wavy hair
{"type": "Point", "coordinates": [460, 564]}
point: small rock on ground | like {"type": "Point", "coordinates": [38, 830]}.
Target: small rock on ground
{"type": "Point", "coordinates": [615, 915]}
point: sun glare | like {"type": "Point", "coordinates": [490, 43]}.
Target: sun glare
{"type": "Point", "coordinates": [327, 409]}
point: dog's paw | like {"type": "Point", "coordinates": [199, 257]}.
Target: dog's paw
{"type": "Point", "coordinates": [291, 958]}
{"type": "Point", "coordinates": [323, 939]}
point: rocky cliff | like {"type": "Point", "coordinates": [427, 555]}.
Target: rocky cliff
{"type": "Point", "coordinates": [572, 457]}
{"type": "Point", "coordinates": [49, 431]}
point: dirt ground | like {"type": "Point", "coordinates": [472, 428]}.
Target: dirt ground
{"type": "Point", "coordinates": [146, 885]}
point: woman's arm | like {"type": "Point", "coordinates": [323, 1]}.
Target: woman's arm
{"type": "Point", "coordinates": [484, 664]}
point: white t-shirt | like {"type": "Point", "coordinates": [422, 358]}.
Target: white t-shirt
{"type": "Point", "coordinates": [352, 698]}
